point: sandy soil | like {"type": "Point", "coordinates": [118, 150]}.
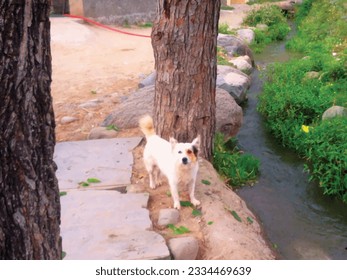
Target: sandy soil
{"type": "Point", "coordinates": [90, 63]}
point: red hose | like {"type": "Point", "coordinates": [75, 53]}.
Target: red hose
{"type": "Point", "coordinates": [105, 26]}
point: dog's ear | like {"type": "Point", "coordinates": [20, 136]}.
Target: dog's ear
{"type": "Point", "coordinates": [173, 142]}
{"type": "Point", "coordinates": [196, 142]}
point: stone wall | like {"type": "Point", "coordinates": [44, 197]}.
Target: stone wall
{"type": "Point", "coordinates": [115, 11]}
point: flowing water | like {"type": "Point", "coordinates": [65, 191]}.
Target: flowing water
{"type": "Point", "coordinates": [299, 221]}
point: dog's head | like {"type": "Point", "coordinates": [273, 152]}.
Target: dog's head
{"type": "Point", "coordinates": [185, 153]}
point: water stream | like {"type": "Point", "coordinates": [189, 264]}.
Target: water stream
{"type": "Point", "coordinates": [299, 221]}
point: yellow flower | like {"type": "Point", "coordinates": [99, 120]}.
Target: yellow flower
{"type": "Point", "coordinates": [305, 128]}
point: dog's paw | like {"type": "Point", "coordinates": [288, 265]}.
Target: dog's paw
{"type": "Point", "coordinates": [152, 186]}
{"type": "Point", "coordinates": [159, 182]}
{"type": "Point", "coordinates": [177, 205]}
{"type": "Point", "coordinates": [195, 202]}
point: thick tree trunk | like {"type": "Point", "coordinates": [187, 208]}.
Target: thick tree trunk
{"type": "Point", "coordinates": [184, 40]}
{"type": "Point", "coordinates": [29, 195]}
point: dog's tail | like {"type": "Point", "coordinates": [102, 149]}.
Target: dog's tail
{"type": "Point", "coordinates": [146, 125]}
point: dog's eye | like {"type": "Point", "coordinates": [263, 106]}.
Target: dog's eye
{"type": "Point", "coordinates": [180, 152]}
{"type": "Point", "coordinates": [189, 152]}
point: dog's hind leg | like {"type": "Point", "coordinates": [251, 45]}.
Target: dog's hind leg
{"type": "Point", "coordinates": [151, 172]}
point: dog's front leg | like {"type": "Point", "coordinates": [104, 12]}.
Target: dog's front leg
{"type": "Point", "coordinates": [174, 193]}
{"type": "Point", "coordinates": [193, 200]}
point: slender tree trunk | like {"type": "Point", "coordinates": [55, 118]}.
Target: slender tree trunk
{"type": "Point", "coordinates": [184, 40]}
{"type": "Point", "coordinates": [29, 195]}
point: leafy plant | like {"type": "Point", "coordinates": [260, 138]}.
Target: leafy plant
{"type": "Point", "coordinates": [178, 230]}
{"type": "Point", "coordinates": [224, 28]}
{"type": "Point", "coordinates": [196, 213]}
{"type": "Point", "coordinates": [293, 104]}
{"type": "Point", "coordinates": [206, 182]}
{"type": "Point", "coordinates": [222, 57]}
{"type": "Point", "coordinates": [62, 193]}
{"type": "Point", "coordinates": [227, 8]}
{"type": "Point", "coordinates": [235, 215]}
{"type": "Point", "coordinates": [112, 127]}
{"type": "Point", "coordinates": [186, 204]}
{"type": "Point", "coordinates": [250, 220]}
{"type": "Point", "coordinates": [89, 181]}
{"type": "Point", "coordinates": [239, 168]}
{"type": "Point", "coordinates": [273, 17]}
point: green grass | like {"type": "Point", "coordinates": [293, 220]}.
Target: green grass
{"type": "Point", "coordinates": [222, 57]}
{"type": "Point", "coordinates": [227, 8]}
{"type": "Point", "coordinates": [273, 17]}
{"type": "Point", "coordinates": [224, 28]}
{"type": "Point", "coordinates": [237, 167]}
{"type": "Point", "coordinates": [290, 100]}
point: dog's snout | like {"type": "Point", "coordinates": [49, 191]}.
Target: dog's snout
{"type": "Point", "coordinates": [184, 160]}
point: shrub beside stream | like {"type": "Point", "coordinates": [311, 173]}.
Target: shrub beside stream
{"type": "Point", "coordinates": [293, 100]}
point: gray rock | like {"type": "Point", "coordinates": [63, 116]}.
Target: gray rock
{"type": "Point", "coordinates": [311, 75]}
{"type": "Point", "coordinates": [288, 5]}
{"type": "Point", "coordinates": [109, 225]}
{"type": "Point", "coordinates": [184, 248]}
{"type": "Point", "coordinates": [246, 35]}
{"type": "Point", "coordinates": [234, 46]}
{"type": "Point", "coordinates": [168, 216]}
{"type": "Point", "coordinates": [235, 82]}
{"type": "Point", "coordinates": [90, 104]}
{"type": "Point", "coordinates": [149, 80]}
{"type": "Point", "coordinates": [102, 133]}
{"type": "Point", "coordinates": [68, 119]}
{"type": "Point", "coordinates": [135, 188]}
{"type": "Point", "coordinates": [228, 113]}
{"type": "Point", "coordinates": [334, 111]}
{"type": "Point", "coordinates": [242, 63]}
{"type": "Point", "coordinates": [262, 26]}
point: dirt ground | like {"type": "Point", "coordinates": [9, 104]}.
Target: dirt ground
{"type": "Point", "coordinates": [90, 63]}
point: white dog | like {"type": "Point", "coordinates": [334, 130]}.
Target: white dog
{"type": "Point", "coordinates": [177, 161]}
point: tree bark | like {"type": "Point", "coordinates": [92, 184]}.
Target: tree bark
{"type": "Point", "coordinates": [184, 40]}
{"type": "Point", "coordinates": [29, 194]}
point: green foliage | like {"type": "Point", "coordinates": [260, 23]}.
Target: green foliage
{"type": "Point", "coordinates": [186, 204]}
{"type": "Point", "coordinates": [112, 127]}
{"type": "Point", "coordinates": [236, 216]}
{"type": "Point", "coordinates": [178, 230]}
{"type": "Point", "coordinates": [89, 181]}
{"type": "Point", "coordinates": [272, 16]}
{"type": "Point", "coordinates": [206, 182]}
{"type": "Point", "coordinates": [327, 156]}
{"type": "Point", "coordinates": [251, 2]}
{"type": "Point", "coordinates": [62, 193]}
{"type": "Point", "coordinates": [238, 167]}
{"type": "Point", "coordinates": [222, 57]}
{"type": "Point", "coordinates": [227, 8]}
{"type": "Point", "coordinates": [196, 212]}
{"type": "Point", "coordinates": [223, 28]}
{"type": "Point", "coordinates": [145, 24]}
{"type": "Point", "coordinates": [290, 99]}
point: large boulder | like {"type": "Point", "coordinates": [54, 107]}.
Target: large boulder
{"type": "Point", "coordinates": [234, 46]}
{"type": "Point", "coordinates": [246, 34]}
{"type": "Point", "coordinates": [242, 63]}
{"type": "Point", "coordinates": [229, 114]}
{"type": "Point", "coordinates": [235, 82]}
{"type": "Point", "coordinates": [334, 111]}
{"type": "Point", "coordinates": [229, 78]}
